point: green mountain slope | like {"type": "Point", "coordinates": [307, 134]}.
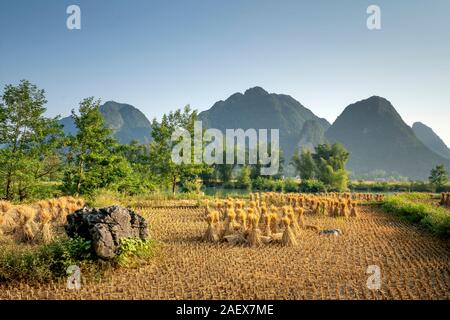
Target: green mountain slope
{"type": "Point", "coordinates": [258, 109]}
{"type": "Point", "coordinates": [431, 139]}
{"type": "Point", "coordinates": [378, 139]}
{"type": "Point", "coordinates": [126, 121]}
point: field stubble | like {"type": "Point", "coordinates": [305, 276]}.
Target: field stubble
{"type": "Point", "coordinates": [414, 264]}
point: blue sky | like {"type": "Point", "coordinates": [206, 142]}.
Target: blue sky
{"type": "Point", "coordinates": [162, 55]}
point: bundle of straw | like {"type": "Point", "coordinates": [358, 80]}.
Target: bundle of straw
{"type": "Point", "coordinates": [288, 238]}
{"type": "Point", "coordinates": [211, 232]}
{"type": "Point", "coordinates": [353, 210]}
{"type": "Point", "coordinates": [254, 235]}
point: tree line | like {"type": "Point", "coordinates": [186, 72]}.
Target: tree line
{"type": "Point", "coordinates": [35, 154]}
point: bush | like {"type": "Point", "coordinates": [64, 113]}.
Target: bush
{"type": "Point", "coordinates": [312, 186]}
{"type": "Point", "coordinates": [266, 184]}
{"type": "Point", "coordinates": [45, 263]}
{"type": "Point", "coordinates": [191, 186]}
{"type": "Point", "coordinates": [412, 206]}
{"type": "Point", "coordinates": [50, 262]}
{"type": "Point", "coordinates": [290, 185]}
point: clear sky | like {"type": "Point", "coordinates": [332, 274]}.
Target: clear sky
{"type": "Point", "coordinates": [162, 55]}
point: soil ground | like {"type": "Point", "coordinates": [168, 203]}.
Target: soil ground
{"type": "Point", "coordinates": [414, 264]}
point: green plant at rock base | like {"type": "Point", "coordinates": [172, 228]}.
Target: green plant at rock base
{"type": "Point", "coordinates": [133, 251]}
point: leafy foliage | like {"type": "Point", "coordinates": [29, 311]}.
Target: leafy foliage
{"type": "Point", "coordinates": [312, 186]}
{"type": "Point", "coordinates": [438, 176]}
{"type": "Point", "coordinates": [133, 251]}
{"type": "Point", "coordinates": [93, 160]}
{"type": "Point", "coordinates": [47, 262]}
{"type": "Point", "coordinates": [168, 172]}
{"type": "Point", "coordinates": [30, 140]}
{"type": "Point", "coordinates": [327, 164]}
{"type": "Point", "coordinates": [414, 207]}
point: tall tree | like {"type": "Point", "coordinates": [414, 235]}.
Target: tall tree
{"type": "Point", "coordinates": [327, 164]}
{"type": "Point", "coordinates": [29, 139]}
{"type": "Point", "coordinates": [438, 176]}
{"type": "Point", "coordinates": [330, 165]}
{"type": "Point", "coordinates": [244, 178]}
{"type": "Point", "coordinates": [92, 158]}
{"type": "Point", "coordinates": [304, 164]}
{"type": "Point", "coordinates": [167, 171]}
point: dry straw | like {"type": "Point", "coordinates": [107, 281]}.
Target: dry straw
{"type": "Point", "coordinates": [353, 210]}
{"type": "Point", "coordinates": [254, 235]}
{"type": "Point", "coordinates": [231, 226]}
{"type": "Point", "coordinates": [26, 227]}
{"type": "Point", "coordinates": [241, 219]}
{"type": "Point", "coordinates": [288, 238]}
{"type": "Point", "coordinates": [46, 227]}
{"type": "Point", "coordinates": [211, 232]}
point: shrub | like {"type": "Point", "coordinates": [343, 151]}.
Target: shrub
{"type": "Point", "coordinates": [312, 186]}
{"type": "Point", "coordinates": [45, 263]}
{"type": "Point", "coordinates": [290, 185]}
{"type": "Point", "coordinates": [191, 186]}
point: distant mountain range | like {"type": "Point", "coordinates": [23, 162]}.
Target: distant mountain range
{"type": "Point", "coordinates": [372, 130]}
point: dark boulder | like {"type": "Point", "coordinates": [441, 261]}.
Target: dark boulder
{"type": "Point", "coordinates": [105, 227]}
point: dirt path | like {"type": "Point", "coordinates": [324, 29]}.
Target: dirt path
{"type": "Point", "coordinates": [413, 264]}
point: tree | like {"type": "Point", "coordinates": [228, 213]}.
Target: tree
{"type": "Point", "coordinates": [327, 165]}
{"type": "Point", "coordinates": [138, 156]}
{"type": "Point", "coordinates": [167, 171]}
{"type": "Point", "coordinates": [244, 180]}
{"type": "Point", "coordinates": [30, 140]}
{"type": "Point", "coordinates": [438, 176]}
{"type": "Point", "coordinates": [330, 165]}
{"type": "Point", "coordinates": [304, 164]}
{"type": "Point", "coordinates": [93, 160]}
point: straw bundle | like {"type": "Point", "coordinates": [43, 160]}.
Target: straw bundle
{"type": "Point", "coordinates": [211, 232]}
{"type": "Point", "coordinates": [254, 235]}
{"type": "Point", "coordinates": [353, 210]}
{"type": "Point", "coordinates": [288, 238]}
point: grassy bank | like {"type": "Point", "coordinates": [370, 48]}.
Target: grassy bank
{"type": "Point", "coordinates": [420, 208]}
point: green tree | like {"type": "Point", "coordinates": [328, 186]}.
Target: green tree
{"type": "Point", "coordinates": [438, 176]}
{"type": "Point", "coordinates": [244, 178]}
{"type": "Point", "coordinates": [30, 140]}
{"type": "Point", "coordinates": [330, 165]}
{"type": "Point", "coordinates": [304, 164]}
{"type": "Point", "coordinates": [327, 165]}
{"type": "Point", "coordinates": [138, 156]}
{"type": "Point", "coordinates": [167, 171]}
{"type": "Point", "coordinates": [93, 160]}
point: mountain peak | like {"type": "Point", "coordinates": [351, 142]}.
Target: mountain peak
{"type": "Point", "coordinates": [379, 139]}
{"type": "Point", "coordinates": [256, 91]}
{"type": "Point", "coordinates": [126, 121]}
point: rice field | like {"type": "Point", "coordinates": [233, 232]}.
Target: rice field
{"type": "Point", "coordinates": [413, 263]}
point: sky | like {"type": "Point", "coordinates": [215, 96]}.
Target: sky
{"type": "Point", "coordinates": [162, 55]}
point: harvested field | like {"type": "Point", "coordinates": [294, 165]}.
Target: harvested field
{"type": "Point", "coordinates": [414, 264]}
